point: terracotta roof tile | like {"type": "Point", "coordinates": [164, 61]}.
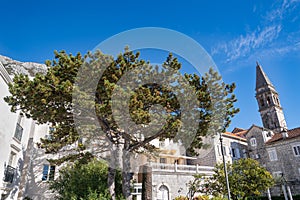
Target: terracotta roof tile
{"type": "Point", "coordinates": [239, 135]}
{"type": "Point", "coordinates": [236, 130]}
{"type": "Point", "coordinates": [242, 133]}
{"type": "Point", "coordinates": [293, 133]}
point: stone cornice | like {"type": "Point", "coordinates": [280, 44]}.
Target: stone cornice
{"type": "Point", "coordinates": [4, 74]}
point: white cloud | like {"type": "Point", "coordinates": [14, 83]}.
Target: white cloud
{"type": "Point", "coordinates": [244, 44]}
{"type": "Point", "coordinates": [262, 38]}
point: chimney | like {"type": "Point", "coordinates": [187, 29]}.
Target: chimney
{"type": "Point", "coordinates": [284, 133]}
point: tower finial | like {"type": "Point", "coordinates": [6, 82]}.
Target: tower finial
{"type": "Point", "coordinates": [257, 64]}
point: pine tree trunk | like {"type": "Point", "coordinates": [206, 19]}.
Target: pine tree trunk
{"type": "Point", "coordinates": [126, 175]}
{"type": "Point", "coordinates": [112, 171]}
{"type": "Point", "coordinates": [111, 181]}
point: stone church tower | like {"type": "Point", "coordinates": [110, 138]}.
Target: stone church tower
{"type": "Point", "coordinates": [268, 102]}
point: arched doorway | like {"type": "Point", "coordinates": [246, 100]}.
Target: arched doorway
{"type": "Point", "coordinates": [163, 193]}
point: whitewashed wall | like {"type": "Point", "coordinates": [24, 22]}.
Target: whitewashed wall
{"type": "Point", "coordinates": [8, 143]}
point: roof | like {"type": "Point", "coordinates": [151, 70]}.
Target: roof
{"type": "Point", "coordinates": [236, 130]}
{"type": "Point", "coordinates": [293, 133]}
{"type": "Point", "coordinates": [242, 133]}
{"type": "Point", "coordinates": [261, 78]}
{"type": "Point", "coordinates": [239, 135]}
{"type": "Point", "coordinates": [255, 126]}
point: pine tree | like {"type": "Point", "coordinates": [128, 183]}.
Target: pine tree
{"type": "Point", "coordinates": [50, 99]}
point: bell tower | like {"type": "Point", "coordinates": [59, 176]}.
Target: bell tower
{"type": "Point", "coordinates": [268, 102]}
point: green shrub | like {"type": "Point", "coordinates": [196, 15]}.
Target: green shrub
{"type": "Point", "coordinates": [201, 197]}
{"type": "Point", "coordinates": [84, 182]}
{"type": "Point", "coordinates": [218, 198]}
{"type": "Point", "coordinates": [181, 198]}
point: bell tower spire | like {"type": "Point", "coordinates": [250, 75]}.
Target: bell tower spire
{"type": "Point", "coordinates": [268, 102]}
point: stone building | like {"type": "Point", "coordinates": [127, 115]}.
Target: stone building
{"type": "Point", "coordinates": [166, 177]}
{"type": "Point", "coordinates": [167, 181]}
{"type": "Point", "coordinates": [234, 148]}
{"type": "Point", "coordinates": [257, 138]}
{"type": "Point", "coordinates": [284, 159]}
{"type": "Point", "coordinates": [273, 145]}
{"type": "Point", "coordinates": [279, 153]}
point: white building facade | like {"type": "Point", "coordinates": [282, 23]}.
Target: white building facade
{"type": "Point", "coordinates": [15, 131]}
{"type": "Point", "coordinates": [18, 138]}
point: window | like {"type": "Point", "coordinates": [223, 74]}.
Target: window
{"type": "Point", "coordinates": [235, 152]}
{"type": "Point", "coordinates": [48, 173]}
{"type": "Point", "coordinates": [268, 100]}
{"type": "Point", "coordinates": [277, 100]}
{"type": "Point", "coordinates": [277, 174]}
{"type": "Point", "coordinates": [253, 142]}
{"type": "Point", "coordinates": [272, 155]}
{"type": "Point", "coordinates": [18, 132]}
{"type": "Point", "coordinates": [244, 153]}
{"type": "Point", "coordinates": [162, 144]}
{"type": "Point", "coordinates": [19, 129]}
{"type": "Point", "coordinates": [224, 150]}
{"type": "Point", "coordinates": [137, 188]}
{"type": "Point", "coordinates": [296, 150]}
{"type": "Point", "coordinates": [262, 103]}
{"type": "Point", "coordinates": [9, 172]}
{"type": "Point", "coordinates": [162, 160]}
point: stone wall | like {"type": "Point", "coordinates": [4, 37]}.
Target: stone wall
{"type": "Point", "coordinates": [168, 180]}
{"type": "Point", "coordinates": [258, 151]}
{"type": "Point", "coordinates": [287, 163]}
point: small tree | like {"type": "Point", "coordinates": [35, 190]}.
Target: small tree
{"type": "Point", "coordinates": [195, 185]}
{"type": "Point", "coordinates": [246, 178]}
{"type": "Point", "coordinates": [84, 181]}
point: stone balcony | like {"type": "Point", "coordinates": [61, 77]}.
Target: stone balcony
{"type": "Point", "coordinates": [191, 169]}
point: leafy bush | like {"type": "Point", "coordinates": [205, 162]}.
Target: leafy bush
{"type": "Point", "coordinates": [83, 182]}
{"type": "Point", "coordinates": [201, 197]}
{"type": "Point", "coordinates": [218, 198]}
{"type": "Point", "coordinates": [296, 197]}
{"type": "Point", "coordinates": [181, 198]}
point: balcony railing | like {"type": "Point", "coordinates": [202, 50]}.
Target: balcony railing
{"type": "Point", "coordinates": [18, 132]}
{"type": "Point", "coordinates": [9, 174]}
{"type": "Point", "coordinates": [182, 168]}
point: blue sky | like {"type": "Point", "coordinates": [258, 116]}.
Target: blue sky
{"type": "Point", "coordinates": [235, 33]}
